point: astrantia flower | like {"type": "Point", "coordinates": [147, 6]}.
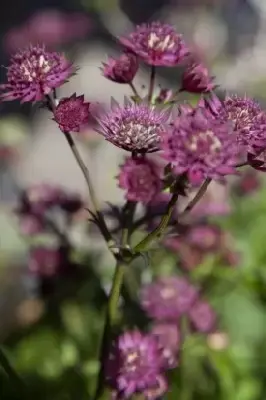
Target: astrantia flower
{"type": "Point", "coordinates": [196, 79]}
{"type": "Point", "coordinates": [156, 44]}
{"type": "Point", "coordinates": [249, 121]}
{"type": "Point", "coordinates": [135, 366]}
{"type": "Point", "coordinates": [168, 298]}
{"type": "Point", "coordinates": [168, 337]}
{"type": "Point", "coordinates": [134, 127]}
{"type": "Point", "coordinates": [72, 113]}
{"type": "Point", "coordinates": [122, 69]}
{"type": "Point", "coordinates": [34, 73]}
{"type": "Point", "coordinates": [202, 316]}
{"type": "Point", "coordinates": [200, 146]}
{"type": "Point", "coordinates": [141, 179]}
{"type": "Point", "coordinates": [45, 261]}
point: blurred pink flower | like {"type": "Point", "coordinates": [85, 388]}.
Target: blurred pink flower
{"type": "Point", "coordinates": [51, 27]}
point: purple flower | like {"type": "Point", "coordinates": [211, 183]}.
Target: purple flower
{"type": "Point", "coordinates": [34, 73]}
{"type": "Point", "coordinates": [135, 366]}
{"type": "Point", "coordinates": [200, 146]}
{"type": "Point", "coordinates": [202, 316]}
{"type": "Point", "coordinates": [168, 298]}
{"type": "Point", "coordinates": [31, 225]}
{"type": "Point", "coordinates": [45, 262]}
{"type": "Point", "coordinates": [156, 44]}
{"type": "Point", "coordinates": [196, 79]}
{"type": "Point", "coordinates": [249, 121]}
{"type": "Point", "coordinates": [205, 237]}
{"type": "Point", "coordinates": [141, 179]}
{"type": "Point", "coordinates": [168, 337]}
{"type": "Point", "coordinates": [133, 127]}
{"type": "Point", "coordinates": [72, 113]}
{"type": "Point", "coordinates": [122, 69]}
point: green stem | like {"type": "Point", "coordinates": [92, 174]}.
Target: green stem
{"type": "Point", "coordinates": [144, 244]}
{"type": "Point", "coordinates": [134, 90]}
{"type": "Point", "coordinates": [202, 190]}
{"type": "Point", "coordinates": [152, 83]}
{"type": "Point", "coordinates": [10, 372]}
{"type": "Point", "coordinates": [100, 219]}
{"type": "Point", "coordinates": [113, 300]}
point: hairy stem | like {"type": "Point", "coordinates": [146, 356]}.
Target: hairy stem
{"type": "Point", "coordinates": [202, 190]}
{"type": "Point", "coordinates": [152, 83]}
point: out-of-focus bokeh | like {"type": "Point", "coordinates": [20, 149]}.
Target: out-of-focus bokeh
{"type": "Point", "coordinates": [51, 339]}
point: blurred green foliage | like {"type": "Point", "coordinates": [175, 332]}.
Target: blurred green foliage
{"type": "Point", "coordinates": [57, 356]}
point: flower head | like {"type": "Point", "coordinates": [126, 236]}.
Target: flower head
{"type": "Point", "coordinates": [168, 298]}
{"type": "Point", "coordinates": [168, 337]}
{"type": "Point", "coordinates": [34, 73]}
{"type": "Point", "coordinates": [141, 179]}
{"type": "Point", "coordinates": [45, 262]}
{"type": "Point", "coordinates": [135, 366]}
{"type": "Point", "coordinates": [133, 127]}
{"type": "Point", "coordinates": [249, 121]}
{"type": "Point", "coordinates": [196, 79]}
{"type": "Point", "coordinates": [72, 113]}
{"type": "Point", "coordinates": [156, 44]}
{"type": "Point", "coordinates": [202, 316]}
{"type": "Point", "coordinates": [200, 146]}
{"type": "Point", "coordinates": [122, 69]}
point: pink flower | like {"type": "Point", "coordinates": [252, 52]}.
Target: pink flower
{"type": "Point", "coordinates": [203, 317]}
{"type": "Point", "coordinates": [168, 298]}
{"type": "Point", "coordinates": [200, 146]}
{"type": "Point", "coordinates": [133, 127]}
{"type": "Point", "coordinates": [169, 339]}
{"type": "Point", "coordinates": [72, 113]}
{"type": "Point", "coordinates": [141, 179]}
{"type": "Point", "coordinates": [135, 365]}
{"type": "Point", "coordinates": [34, 73]}
{"type": "Point", "coordinates": [156, 44]}
{"type": "Point", "coordinates": [122, 69]}
{"type": "Point", "coordinates": [196, 79]}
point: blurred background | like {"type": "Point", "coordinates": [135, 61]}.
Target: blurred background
{"type": "Point", "coordinates": [50, 330]}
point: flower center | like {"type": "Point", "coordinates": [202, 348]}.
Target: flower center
{"type": "Point", "coordinates": [157, 43]}
{"type": "Point", "coordinates": [32, 68]}
{"type": "Point", "coordinates": [168, 293]}
{"type": "Point", "coordinates": [130, 361]}
{"type": "Point", "coordinates": [204, 141]}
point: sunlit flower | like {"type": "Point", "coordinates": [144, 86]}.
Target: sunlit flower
{"type": "Point", "coordinates": [133, 127]}
{"type": "Point", "coordinates": [156, 44]}
{"type": "Point", "coordinates": [34, 73]}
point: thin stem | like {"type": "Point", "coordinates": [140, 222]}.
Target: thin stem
{"type": "Point", "coordinates": [152, 83]}
{"type": "Point", "coordinates": [134, 90]}
{"type": "Point", "coordinates": [100, 219]}
{"type": "Point", "coordinates": [113, 300]}
{"type": "Point", "coordinates": [144, 244]}
{"type": "Point", "coordinates": [202, 190]}
{"type": "Point", "coordinates": [10, 372]}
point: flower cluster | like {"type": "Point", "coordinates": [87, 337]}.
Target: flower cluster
{"type": "Point", "coordinates": [170, 298]}
{"type": "Point", "coordinates": [193, 144]}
